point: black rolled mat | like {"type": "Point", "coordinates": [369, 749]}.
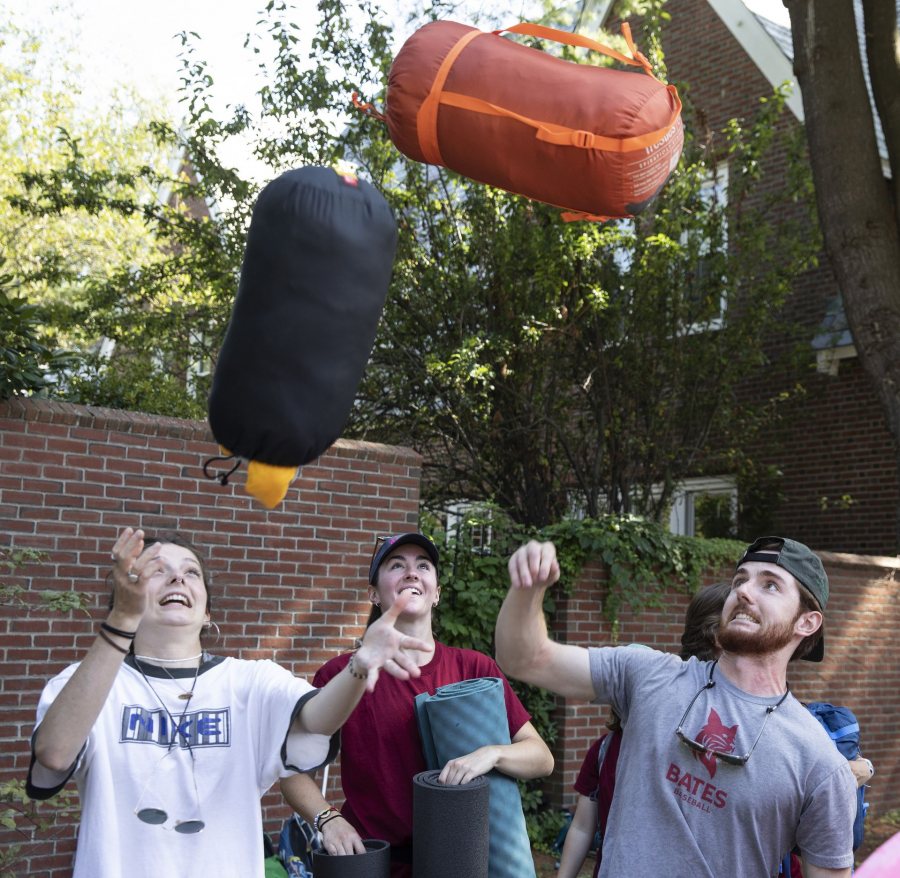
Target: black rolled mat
{"type": "Point", "coordinates": [451, 837]}
{"type": "Point", "coordinates": [374, 863]}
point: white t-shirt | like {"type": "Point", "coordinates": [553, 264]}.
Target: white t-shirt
{"type": "Point", "coordinates": [236, 724]}
{"type": "Point", "coordinates": [679, 813]}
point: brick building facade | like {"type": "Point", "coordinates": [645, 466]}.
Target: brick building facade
{"type": "Point", "coordinates": [834, 450]}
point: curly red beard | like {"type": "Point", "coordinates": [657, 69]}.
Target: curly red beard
{"type": "Point", "coordinates": [762, 641]}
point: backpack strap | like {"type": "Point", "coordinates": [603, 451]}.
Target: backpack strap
{"type": "Point", "coordinates": [837, 734]}
{"type": "Point", "coordinates": [601, 753]}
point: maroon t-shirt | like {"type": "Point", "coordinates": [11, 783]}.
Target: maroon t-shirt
{"type": "Point", "coordinates": [599, 787]}
{"type": "Point", "coordinates": [381, 750]}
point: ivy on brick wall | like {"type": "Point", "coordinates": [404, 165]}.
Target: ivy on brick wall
{"type": "Point", "coordinates": [643, 559]}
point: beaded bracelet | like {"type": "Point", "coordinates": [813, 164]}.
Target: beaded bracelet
{"type": "Point", "coordinates": [353, 672]}
{"type": "Point", "coordinates": [317, 820]}
{"type": "Point", "coordinates": [114, 645]}
{"type": "Point", "coordinates": [118, 631]}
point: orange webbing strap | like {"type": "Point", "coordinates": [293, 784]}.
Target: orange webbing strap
{"type": "Point", "coordinates": [365, 107]}
{"type": "Point", "coordinates": [563, 135]}
{"type": "Point", "coordinates": [574, 216]}
{"type": "Point", "coordinates": [570, 39]}
{"type": "Point", "coordinates": [426, 119]}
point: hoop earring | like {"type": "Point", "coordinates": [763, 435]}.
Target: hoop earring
{"type": "Point", "coordinates": [205, 630]}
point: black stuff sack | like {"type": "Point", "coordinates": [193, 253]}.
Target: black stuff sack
{"type": "Point", "coordinates": [317, 265]}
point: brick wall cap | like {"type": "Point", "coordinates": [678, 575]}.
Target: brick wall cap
{"type": "Point", "coordinates": [847, 559]}
{"type": "Point", "coordinates": [118, 420]}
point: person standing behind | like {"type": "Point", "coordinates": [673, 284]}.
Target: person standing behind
{"type": "Point", "coordinates": [595, 785]}
{"type": "Point", "coordinates": [724, 764]}
{"type": "Point", "coordinates": [381, 750]}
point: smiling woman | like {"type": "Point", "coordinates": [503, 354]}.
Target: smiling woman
{"type": "Point", "coordinates": [381, 751]}
{"type": "Point", "coordinates": [164, 739]}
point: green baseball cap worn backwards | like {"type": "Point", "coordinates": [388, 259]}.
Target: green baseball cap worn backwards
{"type": "Point", "coordinates": [802, 563]}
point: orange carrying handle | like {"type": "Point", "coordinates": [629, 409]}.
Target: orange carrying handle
{"type": "Point", "coordinates": [571, 39]}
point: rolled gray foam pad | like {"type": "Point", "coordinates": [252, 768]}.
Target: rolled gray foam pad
{"type": "Point", "coordinates": [450, 828]}
{"type": "Point", "coordinates": [458, 719]}
{"type": "Point", "coordinates": [374, 863]}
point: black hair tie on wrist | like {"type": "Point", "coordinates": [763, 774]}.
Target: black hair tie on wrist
{"type": "Point", "coordinates": [114, 645]}
{"type": "Point", "coordinates": [328, 820]}
{"type": "Point", "coordinates": [104, 626]}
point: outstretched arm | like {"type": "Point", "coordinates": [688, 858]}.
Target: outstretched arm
{"type": "Point", "coordinates": [69, 720]}
{"type": "Point", "coordinates": [525, 758]}
{"type": "Point", "coordinates": [524, 648]}
{"type": "Point", "coordinates": [383, 648]}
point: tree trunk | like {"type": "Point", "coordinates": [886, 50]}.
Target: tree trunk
{"type": "Point", "coordinates": [855, 204]}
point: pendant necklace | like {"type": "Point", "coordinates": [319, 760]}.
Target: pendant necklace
{"type": "Point", "coordinates": [186, 696]}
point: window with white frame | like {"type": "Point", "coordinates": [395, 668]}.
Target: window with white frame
{"type": "Point", "coordinates": [713, 193]}
{"type": "Point", "coordinates": [472, 518]}
{"type": "Point", "coordinates": [705, 507]}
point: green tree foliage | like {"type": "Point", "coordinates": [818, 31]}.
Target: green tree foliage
{"type": "Point", "coordinates": [87, 224]}
{"type": "Point", "coordinates": [544, 365]}
{"type": "Point", "coordinates": [29, 362]}
{"type": "Point", "coordinates": [539, 365]}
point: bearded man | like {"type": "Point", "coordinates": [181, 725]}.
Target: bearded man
{"type": "Point", "coordinates": [721, 769]}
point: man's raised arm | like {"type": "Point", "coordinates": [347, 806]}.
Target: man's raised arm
{"type": "Point", "coordinates": [524, 648]}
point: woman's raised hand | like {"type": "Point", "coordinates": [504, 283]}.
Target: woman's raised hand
{"type": "Point", "coordinates": [130, 562]}
{"type": "Point", "coordinates": [383, 646]}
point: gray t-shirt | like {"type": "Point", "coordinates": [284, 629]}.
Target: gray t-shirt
{"type": "Point", "coordinates": [688, 815]}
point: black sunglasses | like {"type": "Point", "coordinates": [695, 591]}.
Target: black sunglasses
{"type": "Point", "coordinates": [378, 542]}
{"type": "Point", "coordinates": [157, 816]}
{"type": "Point", "coordinates": [728, 758]}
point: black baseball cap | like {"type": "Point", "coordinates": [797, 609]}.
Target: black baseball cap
{"type": "Point", "coordinates": [803, 564]}
{"type": "Point", "coordinates": [388, 544]}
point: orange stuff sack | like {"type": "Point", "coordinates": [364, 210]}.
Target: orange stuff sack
{"type": "Point", "coordinates": [598, 141]}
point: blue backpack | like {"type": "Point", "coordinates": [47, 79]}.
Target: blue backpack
{"type": "Point", "coordinates": [296, 844]}
{"type": "Point", "coordinates": [843, 728]}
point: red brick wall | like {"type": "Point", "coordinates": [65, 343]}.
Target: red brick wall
{"type": "Point", "coordinates": [287, 583]}
{"type": "Point", "coordinates": [861, 667]}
